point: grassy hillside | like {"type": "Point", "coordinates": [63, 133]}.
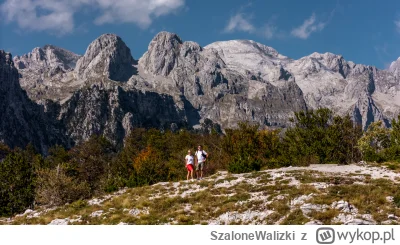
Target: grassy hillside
{"type": "Point", "coordinates": [318, 194]}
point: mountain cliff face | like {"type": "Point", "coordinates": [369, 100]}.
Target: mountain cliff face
{"type": "Point", "coordinates": [325, 80]}
{"type": "Point", "coordinates": [45, 73]}
{"type": "Point", "coordinates": [215, 89]}
{"type": "Point", "coordinates": [106, 56]}
{"type": "Point", "coordinates": [179, 83]}
{"type": "Point", "coordinates": [23, 121]}
{"type": "Point", "coordinates": [111, 110]}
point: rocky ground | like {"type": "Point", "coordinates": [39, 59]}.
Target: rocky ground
{"type": "Point", "coordinates": [318, 194]}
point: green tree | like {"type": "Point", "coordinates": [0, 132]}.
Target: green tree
{"type": "Point", "coordinates": [57, 155]}
{"type": "Point", "coordinates": [307, 141]}
{"type": "Point", "coordinates": [4, 151]}
{"type": "Point", "coordinates": [17, 183]}
{"type": "Point", "coordinates": [91, 162]}
{"type": "Point", "coordinates": [320, 137]}
{"type": "Point", "coordinates": [343, 136]}
{"type": "Point", "coordinates": [242, 145]}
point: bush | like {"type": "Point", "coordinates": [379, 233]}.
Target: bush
{"type": "Point", "coordinates": [243, 164]}
{"type": "Point", "coordinates": [149, 168]}
{"type": "Point", "coordinates": [56, 188]}
{"type": "Point", "coordinates": [248, 148]}
{"type": "Point", "coordinates": [374, 142]}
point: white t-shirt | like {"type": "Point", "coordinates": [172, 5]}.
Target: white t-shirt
{"type": "Point", "coordinates": [199, 155]}
{"type": "Point", "coordinates": [189, 159]}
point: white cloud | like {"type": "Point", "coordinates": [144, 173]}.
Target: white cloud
{"type": "Point", "coordinates": [397, 23]}
{"type": "Point", "coordinates": [135, 11]}
{"type": "Point", "coordinates": [309, 26]}
{"type": "Point", "coordinates": [269, 31]}
{"type": "Point", "coordinates": [239, 23]}
{"type": "Point", "coordinates": [57, 16]}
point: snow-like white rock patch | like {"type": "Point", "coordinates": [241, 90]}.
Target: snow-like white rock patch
{"type": "Point", "coordinates": [97, 213]}
{"type": "Point", "coordinates": [136, 211]}
{"type": "Point", "coordinates": [308, 208]}
{"type": "Point", "coordinates": [301, 199]}
{"type": "Point", "coordinates": [236, 217]}
{"type": "Point", "coordinates": [344, 206]}
{"type": "Point", "coordinates": [59, 222]}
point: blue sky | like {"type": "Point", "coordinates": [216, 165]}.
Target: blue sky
{"type": "Point", "coordinates": [364, 31]}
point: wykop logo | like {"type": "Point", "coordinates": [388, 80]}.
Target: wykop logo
{"type": "Point", "coordinates": [325, 235]}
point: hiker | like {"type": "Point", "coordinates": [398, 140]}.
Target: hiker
{"type": "Point", "coordinates": [201, 157]}
{"type": "Point", "coordinates": [189, 159]}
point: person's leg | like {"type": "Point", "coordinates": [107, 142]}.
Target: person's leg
{"type": "Point", "coordinates": [201, 170]}
{"type": "Point", "coordinates": [191, 173]}
{"type": "Point", "coordinates": [187, 177]}
{"type": "Point", "coordinates": [197, 171]}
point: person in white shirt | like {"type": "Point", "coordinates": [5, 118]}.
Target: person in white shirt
{"type": "Point", "coordinates": [201, 157]}
{"type": "Point", "coordinates": [189, 159]}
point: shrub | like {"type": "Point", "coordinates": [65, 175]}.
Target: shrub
{"type": "Point", "coordinates": [149, 168]}
{"type": "Point", "coordinates": [56, 188]}
{"type": "Point", "coordinates": [243, 164]}
{"type": "Point", "coordinates": [374, 141]}
{"type": "Point", "coordinates": [248, 148]}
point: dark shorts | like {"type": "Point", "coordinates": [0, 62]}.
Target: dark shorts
{"type": "Point", "coordinates": [200, 166]}
{"type": "Point", "coordinates": [189, 167]}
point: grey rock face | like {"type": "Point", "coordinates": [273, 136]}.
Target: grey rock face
{"type": "Point", "coordinates": [216, 91]}
{"type": "Point", "coordinates": [177, 83]}
{"type": "Point", "coordinates": [395, 67]}
{"type": "Point", "coordinates": [45, 73]}
{"type": "Point", "coordinates": [162, 54]}
{"type": "Point", "coordinates": [23, 121]}
{"type": "Point", "coordinates": [106, 56]}
{"type": "Point", "coordinates": [106, 108]}
{"type": "Point", "coordinates": [365, 112]}
{"type": "Point", "coordinates": [48, 56]}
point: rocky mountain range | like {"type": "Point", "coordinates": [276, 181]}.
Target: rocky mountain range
{"type": "Point", "coordinates": [52, 95]}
